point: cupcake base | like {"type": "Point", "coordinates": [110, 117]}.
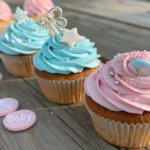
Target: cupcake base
{"type": "Point", "coordinates": [63, 89]}
{"type": "Point", "coordinates": [127, 135]}
{"type": "Point", "coordinates": [18, 65]}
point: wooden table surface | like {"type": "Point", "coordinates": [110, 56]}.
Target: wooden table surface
{"type": "Point", "coordinates": [114, 29]}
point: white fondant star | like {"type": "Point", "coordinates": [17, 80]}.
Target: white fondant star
{"type": "Point", "coordinates": [20, 15]}
{"type": "Point", "coordinates": [71, 37]}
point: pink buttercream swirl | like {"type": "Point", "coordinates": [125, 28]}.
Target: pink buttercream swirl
{"type": "Point", "coordinates": [38, 7]}
{"type": "Point", "coordinates": [118, 86]}
{"type": "Point", "coordinates": [5, 11]}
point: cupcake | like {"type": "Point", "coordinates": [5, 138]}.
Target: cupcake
{"type": "Point", "coordinates": [5, 15]}
{"type": "Point", "coordinates": [37, 8]}
{"type": "Point", "coordinates": [19, 42]}
{"type": "Point", "coordinates": [118, 100]}
{"type": "Point", "coordinates": [64, 62]}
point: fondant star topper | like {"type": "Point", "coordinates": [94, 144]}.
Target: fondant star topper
{"type": "Point", "coordinates": [20, 15]}
{"type": "Point", "coordinates": [53, 21]}
{"type": "Point", "coordinates": [71, 37]}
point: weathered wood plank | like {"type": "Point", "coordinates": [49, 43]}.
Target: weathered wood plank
{"type": "Point", "coordinates": [10, 142]}
{"type": "Point", "coordinates": [137, 13]}
{"type": "Point", "coordinates": [79, 121]}
{"type": "Point", "coordinates": [49, 133]}
{"type": "Point", "coordinates": [3, 145]}
{"type": "Point", "coordinates": [27, 96]}
{"type": "Point", "coordinates": [52, 133]}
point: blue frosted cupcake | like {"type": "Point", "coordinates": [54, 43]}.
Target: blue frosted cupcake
{"type": "Point", "coordinates": [63, 63]}
{"type": "Point", "coordinates": [19, 43]}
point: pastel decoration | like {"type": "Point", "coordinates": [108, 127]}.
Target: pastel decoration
{"type": "Point", "coordinates": [8, 105]}
{"type": "Point", "coordinates": [71, 37]}
{"type": "Point", "coordinates": [142, 66]}
{"type": "Point", "coordinates": [19, 120]}
{"type": "Point", "coordinates": [53, 21]}
{"type": "Point", "coordinates": [20, 15]}
{"type": "Point", "coordinates": [122, 87]}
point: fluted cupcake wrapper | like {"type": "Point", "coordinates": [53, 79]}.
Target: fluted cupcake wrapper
{"type": "Point", "coordinates": [62, 92]}
{"type": "Point", "coordinates": [121, 134]}
{"type": "Point", "coordinates": [21, 65]}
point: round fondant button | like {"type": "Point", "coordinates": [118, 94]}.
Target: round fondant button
{"type": "Point", "coordinates": [8, 105]}
{"type": "Point", "coordinates": [19, 120]}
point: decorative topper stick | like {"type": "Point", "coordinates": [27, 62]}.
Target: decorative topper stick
{"type": "Point", "coordinates": [53, 23]}
{"type": "Point", "coordinates": [20, 15]}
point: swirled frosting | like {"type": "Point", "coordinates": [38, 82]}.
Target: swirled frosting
{"type": "Point", "coordinates": [5, 11]}
{"type": "Point", "coordinates": [38, 7]}
{"type": "Point", "coordinates": [24, 37]}
{"type": "Point", "coordinates": [122, 84]}
{"type": "Point", "coordinates": [56, 57]}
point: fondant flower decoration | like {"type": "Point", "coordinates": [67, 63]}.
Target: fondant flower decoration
{"type": "Point", "coordinates": [53, 21]}
{"type": "Point", "coordinates": [70, 37]}
{"type": "Point", "coordinates": [20, 15]}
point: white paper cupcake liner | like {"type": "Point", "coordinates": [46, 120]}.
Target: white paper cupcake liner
{"type": "Point", "coordinates": [21, 65]}
{"type": "Point", "coordinates": [121, 134]}
{"type": "Point", "coordinates": [62, 92]}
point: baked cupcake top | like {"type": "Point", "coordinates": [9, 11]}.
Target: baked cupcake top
{"type": "Point", "coordinates": [65, 51]}
{"type": "Point", "coordinates": [122, 84]}
{"type": "Point", "coordinates": [5, 11]}
{"type": "Point", "coordinates": [37, 7]}
{"type": "Point", "coordinates": [22, 36]}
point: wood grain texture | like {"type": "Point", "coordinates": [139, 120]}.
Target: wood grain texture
{"type": "Point", "coordinates": [80, 123]}
{"type": "Point", "coordinates": [27, 96]}
{"type": "Point", "coordinates": [137, 13]}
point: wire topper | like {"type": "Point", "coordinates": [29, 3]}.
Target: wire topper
{"type": "Point", "coordinates": [53, 21]}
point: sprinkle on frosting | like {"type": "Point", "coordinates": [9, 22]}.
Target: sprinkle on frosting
{"type": "Point", "coordinates": [22, 38]}
{"type": "Point", "coordinates": [57, 57]}
{"type": "Point", "coordinates": [56, 25]}
{"type": "Point", "coordinates": [20, 15]}
{"type": "Point", "coordinates": [5, 11]}
{"type": "Point", "coordinates": [134, 54]}
{"type": "Point", "coordinates": [37, 7]}
{"type": "Point", "coordinates": [66, 51]}
{"type": "Point", "coordinates": [132, 94]}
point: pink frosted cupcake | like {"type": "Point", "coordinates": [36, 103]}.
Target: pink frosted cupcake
{"type": "Point", "coordinates": [118, 100]}
{"type": "Point", "coordinates": [37, 8]}
{"type": "Point", "coordinates": [5, 15]}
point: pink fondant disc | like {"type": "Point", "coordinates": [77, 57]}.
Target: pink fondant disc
{"type": "Point", "coordinates": [8, 105]}
{"type": "Point", "coordinates": [19, 120]}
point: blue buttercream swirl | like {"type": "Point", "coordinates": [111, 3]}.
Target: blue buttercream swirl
{"type": "Point", "coordinates": [57, 57]}
{"type": "Point", "coordinates": [24, 37]}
